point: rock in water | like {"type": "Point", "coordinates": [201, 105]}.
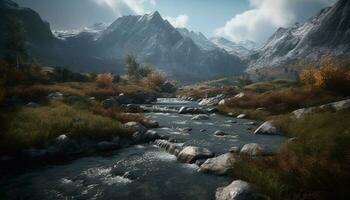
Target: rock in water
{"type": "Point", "coordinates": [200, 117]}
{"type": "Point", "coordinates": [254, 149]}
{"type": "Point", "coordinates": [237, 190]}
{"type": "Point", "coordinates": [190, 154]}
{"type": "Point", "coordinates": [268, 128]}
{"type": "Point", "coordinates": [136, 127]}
{"type": "Point", "coordinates": [219, 165]}
{"type": "Point", "coordinates": [241, 116]}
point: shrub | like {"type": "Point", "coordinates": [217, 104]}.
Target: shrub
{"type": "Point", "coordinates": [155, 80]}
{"type": "Point", "coordinates": [331, 77]}
{"type": "Point", "coordinates": [104, 80]}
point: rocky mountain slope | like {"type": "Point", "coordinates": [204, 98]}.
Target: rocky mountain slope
{"type": "Point", "coordinates": [149, 37]}
{"type": "Point", "coordinates": [241, 49]}
{"type": "Point", "coordinates": [327, 33]}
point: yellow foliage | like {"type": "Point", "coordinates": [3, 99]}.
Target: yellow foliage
{"type": "Point", "coordinates": [154, 80]}
{"type": "Point", "coordinates": [329, 76]}
{"type": "Point", "coordinates": [104, 80]}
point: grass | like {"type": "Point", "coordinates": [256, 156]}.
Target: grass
{"type": "Point", "coordinates": [28, 127]}
{"type": "Point", "coordinates": [39, 91]}
{"type": "Point", "coordinates": [202, 91]}
{"type": "Point", "coordinates": [251, 113]}
{"type": "Point", "coordinates": [261, 87]}
{"type": "Point", "coordinates": [314, 166]}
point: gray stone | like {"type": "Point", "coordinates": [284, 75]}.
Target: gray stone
{"type": "Point", "coordinates": [190, 154]}
{"type": "Point", "coordinates": [213, 101]}
{"type": "Point", "coordinates": [170, 147]}
{"type": "Point", "coordinates": [110, 102]}
{"type": "Point", "coordinates": [254, 149]}
{"type": "Point", "coordinates": [200, 117]}
{"type": "Point", "coordinates": [220, 133]}
{"type": "Point", "coordinates": [302, 112]}
{"type": "Point", "coordinates": [107, 146]}
{"type": "Point", "coordinates": [136, 127]}
{"type": "Point", "coordinates": [241, 116]}
{"type": "Point", "coordinates": [267, 128]}
{"type": "Point", "coordinates": [218, 165]}
{"type": "Point", "coordinates": [149, 123]}
{"type": "Point", "coordinates": [32, 105]}
{"type": "Point", "coordinates": [237, 190]}
{"type": "Point", "coordinates": [56, 96]}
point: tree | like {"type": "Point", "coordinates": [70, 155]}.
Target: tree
{"type": "Point", "coordinates": [132, 67]}
{"type": "Point", "coordinates": [15, 41]}
{"type": "Point", "coordinates": [145, 71]}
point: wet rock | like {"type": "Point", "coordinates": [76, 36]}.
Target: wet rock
{"type": "Point", "coordinates": [170, 147]}
{"type": "Point", "coordinates": [200, 117]}
{"type": "Point", "coordinates": [267, 128]}
{"type": "Point", "coordinates": [190, 154]}
{"type": "Point", "coordinates": [136, 127]}
{"type": "Point", "coordinates": [213, 101]}
{"type": "Point", "coordinates": [142, 97]}
{"type": "Point", "coordinates": [203, 130]}
{"type": "Point", "coordinates": [237, 190]}
{"type": "Point", "coordinates": [251, 123]}
{"type": "Point", "coordinates": [222, 102]}
{"type": "Point", "coordinates": [184, 130]}
{"type": "Point", "coordinates": [231, 121]}
{"type": "Point", "coordinates": [168, 87]}
{"type": "Point", "coordinates": [122, 100]}
{"type": "Point", "coordinates": [200, 162]}
{"type": "Point", "coordinates": [254, 149]}
{"type": "Point", "coordinates": [56, 96]}
{"type": "Point", "coordinates": [32, 105]}
{"type": "Point", "coordinates": [63, 145]}
{"type": "Point", "coordinates": [132, 108]}
{"type": "Point", "coordinates": [241, 116]}
{"type": "Point", "coordinates": [212, 110]}
{"type": "Point", "coordinates": [187, 110]}
{"type": "Point", "coordinates": [230, 114]}
{"type": "Point", "coordinates": [218, 165]}
{"type": "Point", "coordinates": [220, 133]}
{"type": "Point", "coordinates": [239, 95]}
{"type": "Point", "coordinates": [261, 109]}
{"type": "Point", "coordinates": [110, 102]}
{"type": "Point", "coordinates": [151, 135]}
{"type": "Point", "coordinates": [234, 149]}
{"type": "Point", "coordinates": [107, 146]}
{"type": "Point", "coordinates": [300, 113]}
{"type": "Point", "coordinates": [149, 123]}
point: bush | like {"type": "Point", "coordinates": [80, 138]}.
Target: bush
{"type": "Point", "coordinates": [155, 80]}
{"type": "Point", "coordinates": [104, 80]}
{"type": "Point", "coordinates": [329, 76]}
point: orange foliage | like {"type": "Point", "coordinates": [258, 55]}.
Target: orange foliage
{"type": "Point", "coordinates": [104, 80]}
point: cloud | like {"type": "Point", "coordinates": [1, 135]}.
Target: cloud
{"type": "Point", "coordinates": [123, 7]}
{"type": "Point", "coordinates": [179, 21]}
{"type": "Point", "coordinates": [265, 16]}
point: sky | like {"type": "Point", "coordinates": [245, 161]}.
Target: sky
{"type": "Point", "coordinates": [236, 20]}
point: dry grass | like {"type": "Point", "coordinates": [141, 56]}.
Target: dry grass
{"type": "Point", "coordinates": [198, 92]}
{"type": "Point", "coordinates": [37, 92]}
{"type": "Point", "coordinates": [117, 113]}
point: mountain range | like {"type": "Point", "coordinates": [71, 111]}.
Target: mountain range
{"type": "Point", "coordinates": [183, 54]}
{"type": "Point", "coordinates": [327, 33]}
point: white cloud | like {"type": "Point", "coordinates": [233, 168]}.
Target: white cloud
{"type": "Point", "coordinates": [179, 21]}
{"type": "Point", "coordinates": [121, 7]}
{"type": "Point", "coordinates": [265, 16]}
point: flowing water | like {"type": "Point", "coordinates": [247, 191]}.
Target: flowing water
{"type": "Point", "coordinates": [142, 172]}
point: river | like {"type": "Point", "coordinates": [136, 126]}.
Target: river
{"type": "Point", "coordinates": [143, 172]}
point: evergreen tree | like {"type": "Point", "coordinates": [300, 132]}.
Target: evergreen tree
{"type": "Point", "coordinates": [132, 67]}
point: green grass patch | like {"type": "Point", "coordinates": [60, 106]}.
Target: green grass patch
{"type": "Point", "coordinates": [261, 87]}
{"type": "Point", "coordinates": [27, 127]}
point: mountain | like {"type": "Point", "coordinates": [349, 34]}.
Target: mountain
{"type": "Point", "coordinates": [101, 47]}
{"type": "Point", "coordinates": [327, 33]}
{"type": "Point", "coordinates": [233, 48]}
{"type": "Point", "coordinates": [198, 38]}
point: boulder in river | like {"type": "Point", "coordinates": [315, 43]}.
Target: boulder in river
{"type": "Point", "coordinates": [200, 117]}
{"type": "Point", "coordinates": [237, 190]}
{"type": "Point", "coordinates": [136, 127]}
{"type": "Point", "coordinates": [213, 101]}
{"type": "Point", "coordinates": [170, 147]}
{"type": "Point", "coordinates": [267, 128]}
{"type": "Point", "coordinates": [188, 110]}
{"type": "Point", "coordinates": [220, 133]}
{"type": "Point", "coordinates": [107, 146]}
{"type": "Point", "coordinates": [254, 149]}
{"type": "Point", "coordinates": [191, 153]}
{"type": "Point", "coordinates": [218, 165]}
{"type": "Point", "coordinates": [241, 116]}
{"type": "Point", "coordinates": [110, 102]}
{"type": "Point", "coordinates": [149, 123]}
